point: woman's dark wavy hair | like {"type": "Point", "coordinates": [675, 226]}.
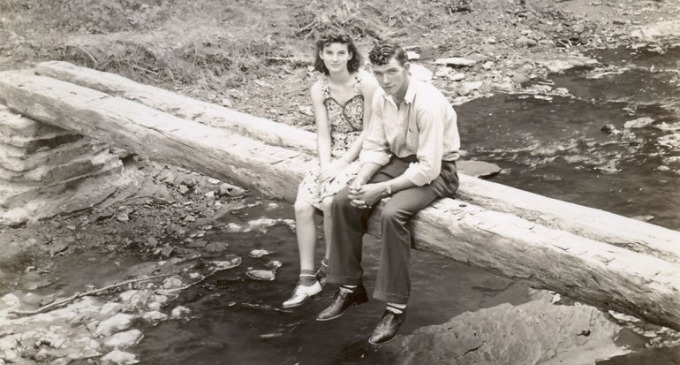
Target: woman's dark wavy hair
{"type": "Point", "coordinates": [383, 52]}
{"type": "Point", "coordinates": [353, 64]}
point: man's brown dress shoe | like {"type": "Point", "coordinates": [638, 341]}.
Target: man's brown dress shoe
{"type": "Point", "coordinates": [341, 301]}
{"type": "Point", "coordinates": [387, 327]}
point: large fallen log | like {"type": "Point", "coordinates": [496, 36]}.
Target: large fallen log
{"type": "Point", "coordinates": [157, 135]}
{"type": "Point", "coordinates": [587, 222]}
{"type": "Point", "coordinates": [182, 106]}
{"type": "Point", "coordinates": [587, 270]}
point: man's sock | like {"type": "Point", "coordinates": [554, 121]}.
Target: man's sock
{"type": "Point", "coordinates": [396, 308]}
{"type": "Point", "coordinates": [348, 288]}
{"type": "Point", "coordinates": [307, 277]}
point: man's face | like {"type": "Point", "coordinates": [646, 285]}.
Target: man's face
{"type": "Point", "coordinates": [392, 77]}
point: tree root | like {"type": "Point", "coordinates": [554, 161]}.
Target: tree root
{"type": "Point", "coordinates": [75, 296]}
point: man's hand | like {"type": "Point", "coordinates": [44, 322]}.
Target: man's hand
{"type": "Point", "coordinates": [365, 195]}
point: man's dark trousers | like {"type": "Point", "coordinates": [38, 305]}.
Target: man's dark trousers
{"type": "Point", "coordinates": [393, 283]}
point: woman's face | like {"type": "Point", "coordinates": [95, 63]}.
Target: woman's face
{"type": "Point", "coordinates": [335, 56]}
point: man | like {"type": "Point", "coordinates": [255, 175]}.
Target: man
{"type": "Point", "coordinates": [409, 155]}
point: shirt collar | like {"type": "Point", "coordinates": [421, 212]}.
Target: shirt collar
{"type": "Point", "coordinates": [410, 92]}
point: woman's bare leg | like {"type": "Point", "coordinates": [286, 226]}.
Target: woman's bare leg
{"type": "Point", "coordinates": [306, 234]}
{"type": "Point", "coordinates": [326, 204]}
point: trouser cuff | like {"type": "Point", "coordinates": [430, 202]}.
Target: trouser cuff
{"type": "Point", "coordinates": [392, 298]}
{"type": "Point", "coordinates": [343, 280]}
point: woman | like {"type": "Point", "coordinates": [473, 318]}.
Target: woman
{"type": "Point", "coordinates": [341, 99]}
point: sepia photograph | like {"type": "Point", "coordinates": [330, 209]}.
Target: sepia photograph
{"type": "Point", "coordinates": [305, 182]}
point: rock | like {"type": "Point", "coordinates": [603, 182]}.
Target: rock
{"type": "Point", "coordinates": [183, 189]}
{"type": "Point", "coordinates": [9, 301]}
{"type": "Point", "coordinates": [411, 55]}
{"type": "Point", "coordinates": [31, 299]}
{"type": "Point", "coordinates": [117, 323]}
{"type": "Point", "coordinates": [473, 85]}
{"type": "Point", "coordinates": [123, 217]}
{"type": "Point", "coordinates": [152, 318]}
{"type": "Point", "coordinates": [160, 299]}
{"type": "Point", "coordinates": [10, 355]}
{"type": "Point", "coordinates": [610, 129]}
{"type": "Point", "coordinates": [532, 333]}
{"type": "Point", "coordinates": [232, 262]}
{"type": "Point", "coordinates": [138, 301]}
{"type": "Point", "coordinates": [119, 358]}
{"type": "Point", "coordinates": [644, 218]}
{"type": "Point", "coordinates": [546, 43]}
{"type": "Point", "coordinates": [173, 282]}
{"type": "Point", "coordinates": [216, 246]}
{"type": "Point", "coordinates": [124, 340]}
{"type": "Point", "coordinates": [271, 206]}
{"type": "Point", "coordinates": [479, 169]}
{"type": "Point", "coordinates": [127, 295]}
{"type": "Point", "coordinates": [229, 190]}
{"type": "Point", "coordinates": [262, 275]}
{"type": "Point", "coordinates": [47, 299]}
{"type": "Point", "coordinates": [179, 312]}
{"type": "Point", "coordinates": [443, 71]}
{"type": "Point", "coordinates": [190, 218]}
{"type": "Point", "coordinates": [155, 306]}
{"type": "Point", "coordinates": [557, 65]}
{"type": "Point", "coordinates": [259, 253]}
{"type": "Point", "coordinates": [274, 264]}
{"type": "Point", "coordinates": [166, 251]}
{"type": "Point", "coordinates": [461, 90]}
{"type": "Point", "coordinates": [459, 76]}
{"type": "Point", "coordinates": [525, 42]}
{"type": "Point", "coordinates": [487, 65]}
{"type": "Point", "coordinates": [520, 78]}
{"type": "Point", "coordinates": [638, 123]}
{"type": "Point", "coordinates": [151, 242]}
{"type": "Point", "coordinates": [455, 61]}
{"type": "Point", "coordinates": [59, 246]}
{"type": "Point", "coordinates": [110, 308]}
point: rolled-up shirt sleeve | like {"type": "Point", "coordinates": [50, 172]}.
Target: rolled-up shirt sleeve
{"type": "Point", "coordinates": [375, 148]}
{"type": "Point", "coordinates": [430, 123]}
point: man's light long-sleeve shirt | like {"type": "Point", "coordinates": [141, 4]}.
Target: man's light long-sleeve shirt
{"type": "Point", "coordinates": [424, 124]}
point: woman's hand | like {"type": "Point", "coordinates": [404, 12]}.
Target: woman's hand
{"type": "Point", "coordinates": [332, 170]}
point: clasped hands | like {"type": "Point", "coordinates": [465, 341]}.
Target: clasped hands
{"type": "Point", "coordinates": [363, 196]}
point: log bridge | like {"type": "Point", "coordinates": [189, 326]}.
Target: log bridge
{"type": "Point", "coordinates": [590, 255]}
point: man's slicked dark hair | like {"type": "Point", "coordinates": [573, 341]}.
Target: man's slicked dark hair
{"type": "Point", "coordinates": [353, 64]}
{"type": "Point", "coordinates": [383, 52]}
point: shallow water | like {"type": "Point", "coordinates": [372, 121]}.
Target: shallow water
{"type": "Point", "coordinates": [557, 147]}
{"type": "Point", "coordinates": [233, 322]}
